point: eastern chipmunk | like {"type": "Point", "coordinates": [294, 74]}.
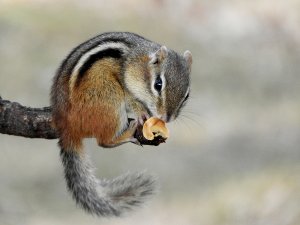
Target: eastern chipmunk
{"type": "Point", "coordinates": [104, 88]}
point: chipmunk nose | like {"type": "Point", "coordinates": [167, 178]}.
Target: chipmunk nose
{"type": "Point", "coordinates": [164, 117]}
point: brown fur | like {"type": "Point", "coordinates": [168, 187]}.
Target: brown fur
{"type": "Point", "coordinates": [92, 108]}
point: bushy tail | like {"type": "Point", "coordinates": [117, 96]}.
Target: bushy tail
{"type": "Point", "coordinates": [104, 197]}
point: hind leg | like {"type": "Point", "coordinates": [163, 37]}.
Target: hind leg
{"type": "Point", "coordinates": [126, 136]}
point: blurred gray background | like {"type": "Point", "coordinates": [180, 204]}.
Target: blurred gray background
{"type": "Point", "coordinates": [233, 156]}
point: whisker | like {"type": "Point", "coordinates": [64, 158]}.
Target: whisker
{"type": "Point", "coordinates": [197, 122]}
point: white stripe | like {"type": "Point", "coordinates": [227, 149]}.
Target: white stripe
{"type": "Point", "coordinates": [86, 56]}
{"type": "Point", "coordinates": [98, 48]}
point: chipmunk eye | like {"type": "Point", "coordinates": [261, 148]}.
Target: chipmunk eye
{"type": "Point", "coordinates": [158, 84]}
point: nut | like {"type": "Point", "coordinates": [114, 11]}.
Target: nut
{"type": "Point", "coordinates": [154, 127]}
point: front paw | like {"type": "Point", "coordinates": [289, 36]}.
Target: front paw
{"type": "Point", "coordinates": [133, 124]}
{"type": "Point", "coordinates": [135, 141]}
{"type": "Point", "coordinates": [140, 120]}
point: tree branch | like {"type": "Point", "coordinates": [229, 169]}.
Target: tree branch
{"type": "Point", "coordinates": [19, 120]}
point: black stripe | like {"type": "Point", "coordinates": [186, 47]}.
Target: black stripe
{"type": "Point", "coordinates": [107, 53]}
{"type": "Point", "coordinates": [83, 48]}
{"type": "Point", "coordinates": [128, 39]}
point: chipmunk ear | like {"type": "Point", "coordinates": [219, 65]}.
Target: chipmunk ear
{"type": "Point", "coordinates": [187, 55]}
{"type": "Point", "coordinates": [159, 55]}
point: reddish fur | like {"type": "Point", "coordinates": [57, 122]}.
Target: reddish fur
{"type": "Point", "coordinates": [92, 107]}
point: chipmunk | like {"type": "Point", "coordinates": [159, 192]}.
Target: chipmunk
{"type": "Point", "coordinates": [105, 88]}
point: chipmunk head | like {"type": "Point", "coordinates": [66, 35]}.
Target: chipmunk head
{"type": "Point", "coordinates": [164, 86]}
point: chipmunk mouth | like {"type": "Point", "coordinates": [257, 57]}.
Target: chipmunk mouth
{"type": "Point", "coordinates": [163, 117]}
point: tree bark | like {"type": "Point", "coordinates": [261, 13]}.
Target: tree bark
{"type": "Point", "coordinates": [19, 120]}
